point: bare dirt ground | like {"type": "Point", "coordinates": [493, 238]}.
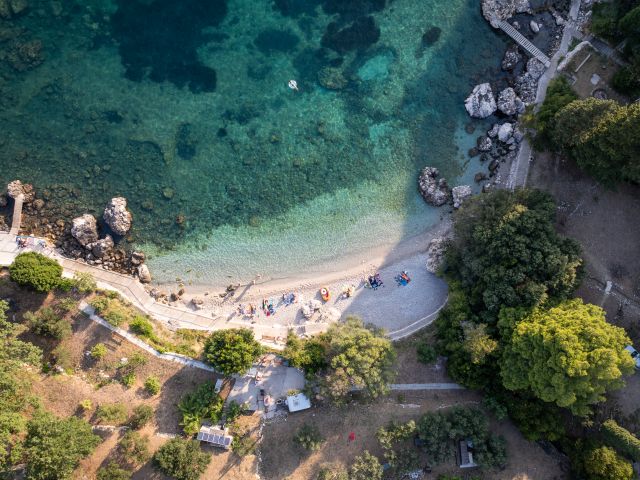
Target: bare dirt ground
{"type": "Point", "coordinates": [282, 459]}
{"type": "Point", "coordinates": [409, 369]}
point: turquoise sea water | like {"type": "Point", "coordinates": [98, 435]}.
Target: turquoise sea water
{"type": "Point", "coordinates": [182, 106]}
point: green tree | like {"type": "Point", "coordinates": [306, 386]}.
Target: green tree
{"type": "Point", "coordinates": [202, 404]}
{"type": "Point", "coordinates": [559, 95]}
{"type": "Point", "coordinates": [98, 351]}
{"type": "Point", "coordinates": [113, 471]}
{"type": "Point", "coordinates": [601, 136]}
{"type": "Point", "coordinates": [232, 350]}
{"type": "Point", "coordinates": [115, 413]}
{"type": "Point", "coordinates": [358, 357]}
{"type": "Point", "coordinates": [36, 271]}
{"type": "Point", "coordinates": [54, 446]}
{"type": "Point", "coordinates": [142, 414]}
{"type": "Point", "coordinates": [308, 354]}
{"type": "Point", "coordinates": [477, 342]}
{"type": "Point", "coordinates": [426, 353]}
{"type": "Point", "coordinates": [621, 439]}
{"type": "Point", "coordinates": [182, 459]}
{"type": "Point", "coordinates": [568, 355]}
{"type": "Point", "coordinates": [506, 253]}
{"type": "Point", "coordinates": [604, 463]}
{"type": "Point", "coordinates": [46, 322]}
{"type": "Point", "coordinates": [366, 467]}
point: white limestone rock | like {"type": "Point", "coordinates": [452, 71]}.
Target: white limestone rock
{"type": "Point", "coordinates": [85, 229]}
{"type": "Point", "coordinates": [505, 132]}
{"type": "Point", "coordinates": [144, 274]}
{"type": "Point", "coordinates": [481, 103]}
{"type": "Point", "coordinates": [117, 216]}
{"type": "Point", "coordinates": [459, 193]}
{"type": "Point", "coordinates": [435, 192]}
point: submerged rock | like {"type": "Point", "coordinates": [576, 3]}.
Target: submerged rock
{"type": "Point", "coordinates": [117, 216]}
{"type": "Point", "coordinates": [435, 192]}
{"type": "Point", "coordinates": [535, 28]}
{"type": "Point", "coordinates": [362, 33]}
{"type": "Point", "coordinates": [431, 36]}
{"type": "Point", "coordinates": [481, 103]}
{"type": "Point", "coordinates": [459, 193]}
{"type": "Point", "coordinates": [85, 229]}
{"type": "Point", "coordinates": [484, 143]}
{"type": "Point", "coordinates": [332, 78]}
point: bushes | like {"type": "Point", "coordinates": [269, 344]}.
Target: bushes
{"type": "Point", "coordinates": [113, 413]}
{"type": "Point", "coordinates": [141, 326]}
{"type": "Point", "coordinates": [84, 282]}
{"type": "Point", "coordinates": [134, 448]}
{"type": "Point", "coordinates": [426, 353]}
{"type": "Point", "coordinates": [152, 385]}
{"type": "Point", "coordinates": [182, 459]}
{"type": "Point", "coordinates": [559, 95]}
{"type": "Point", "coordinates": [621, 439]}
{"type": "Point", "coordinates": [128, 379]}
{"type": "Point", "coordinates": [47, 323]}
{"type": "Point", "coordinates": [98, 351]}
{"type": "Point", "coordinates": [603, 463]}
{"type": "Point", "coordinates": [35, 271]}
{"type": "Point", "coordinates": [232, 350]}
{"type": "Point", "coordinates": [197, 406]}
{"type": "Point", "coordinates": [366, 467]}
{"type": "Point", "coordinates": [141, 415]}
{"type": "Point", "coordinates": [113, 471]}
{"type": "Point", "coordinates": [309, 437]}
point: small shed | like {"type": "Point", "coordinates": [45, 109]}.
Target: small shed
{"type": "Point", "coordinates": [465, 459]}
{"type": "Point", "coordinates": [215, 436]}
{"type": "Point", "coordinates": [298, 402]}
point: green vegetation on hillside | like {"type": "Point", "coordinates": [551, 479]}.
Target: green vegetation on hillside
{"type": "Point", "coordinates": [232, 350]}
{"type": "Point", "coordinates": [35, 271]}
{"type": "Point", "coordinates": [182, 459]}
{"type": "Point", "coordinates": [202, 404]}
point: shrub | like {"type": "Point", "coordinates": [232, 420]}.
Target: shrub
{"type": "Point", "coordinates": [98, 351]}
{"type": "Point", "coordinates": [35, 271]}
{"type": "Point", "coordinates": [243, 444]}
{"type": "Point", "coordinates": [115, 413]}
{"type": "Point", "coordinates": [129, 379]}
{"type": "Point", "coordinates": [332, 472]}
{"type": "Point", "coordinates": [309, 437]}
{"type": "Point", "coordinates": [86, 405]}
{"type": "Point", "coordinates": [99, 304]}
{"type": "Point", "coordinates": [142, 414]}
{"type": "Point", "coordinates": [65, 285]}
{"type": "Point", "coordinates": [366, 467]}
{"type": "Point", "coordinates": [182, 459]}
{"type": "Point", "coordinates": [152, 385]}
{"type": "Point", "coordinates": [113, 471]}
{"type": "Point", "coordinates": [47, 323]}
{"type": "Point", "coordinates": [426, 353]}
{"type": "Point", "coordinates": [604, 463]}
{"type": "Point", "coordinates": [61, 356]}
{"type": "Point", "coordinates": [84, 282]}
{"type": "Point", "coordinates": [134, 447]}
{"type": "Point", "coordinates": [232, 350]}
{"type": "Point", "coordinates": [621, 439]}
{"type": "Point", "coordinates": [234, 410]}
{"type": "Point", "coordinates": [202, 404]}
{"type": "Point", "coordinates": [67, 304]}
{"type": "Point", "coordinates": [141, 326]}
{"type": "Point", "coordinates": [559, 95]}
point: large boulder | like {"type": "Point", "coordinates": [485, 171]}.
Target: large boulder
{"type": "Point", "coordinates": [508, 101]}
{"type": "Point", "coordinates": [144, 274]}
{"type": "Point", "coordinates": [496, 10]}
{"type": "Point", "coordinates": [16, 188]}
{"type": "Point", "coordinates": [505, 132]}
{"type": "Point", "coordinates": [481, 103]}
{"type": "Point", "coordinates": [117, 216]}
{"type": "Point", "coordinates": [435, 253]}
{"type": "Point", "coordinates": [103, 246]}
{"type": "Point", "coordinates": [527, 88]}
{"type": "Point", "coordinates": [459, 193]}
{"type": "Point", "coordinates": [484, 143]}
{"type": "Point", "coordinates": [511, 58]}
{"type": "Point", "coordinates": [85, 229]}
{"type": "Point", "coordinates": [435, 192]}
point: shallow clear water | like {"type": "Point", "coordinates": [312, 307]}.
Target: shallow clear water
{"type": "Point", "coordinates": [182, 106]}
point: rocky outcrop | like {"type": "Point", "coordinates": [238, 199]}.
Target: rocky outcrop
{"type": "Point", "coordinates": [535, 28]}
{"type": "Point", "coordinates": [434, 191]}
{"type": "Point", "coordinates": [496, 10]}
{"type": "Point", "coordinates": [144, 274]}
{"type": "Point", "coordinates": [459, 193]}
{"type": "Point", "coordinates": [535, 68]}
{"type": "Point", "coordinates": [484, 143]}
{"type": "Point", "coordinates": [435, 253]}
{"type": "Point", "coordinates": [102, 247]}
{"type": "Point", "coordinates": [85, 229]}
{"type": "Point", "coordinates": [511, 58]}
{"type": "Point", "coordinates": [16, 188]}
{"type": "Point", "coordinates": [505, 132]}
{"type": "Point", "coordinates": [493, 132]}
{"type": "Point", "coordinates": [509, 103]}
{"type": "Point", "coordinates": [117, 216]}
{"type": "Point", "coordinates": [9, 8]}
{"type": "Point", "coordinates": [481, 103]}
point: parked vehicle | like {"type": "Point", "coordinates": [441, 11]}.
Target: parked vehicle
{"type": "Point", "coordinates": [634, 354]}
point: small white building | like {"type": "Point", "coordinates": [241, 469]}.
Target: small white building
{"type": "Point", "coordinates": [215, 436]}
{"type": "Point", "coordinates": [298, 402]}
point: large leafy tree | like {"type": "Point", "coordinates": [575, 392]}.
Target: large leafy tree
{"type": "Point", "coordinates": [55, 446]}
{"type": "Point", "coordinates": [359, 357]}
{"type": "Point", "coordinates": [604, 463]}
{"type": "Point", "coordinates": [602, 137]}
{"type": "Point", "coordinates": [506, 253]}
{"type": "Point", "coordinates": [568, 355]}
{"type": "Point", "coordinates": [182, 459]}
{"type": "Point", "coordinates": [36, 271]}
{"type": "Point", "coordinates": [232, 351]}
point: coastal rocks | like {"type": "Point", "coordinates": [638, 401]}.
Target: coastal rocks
{"type": "Point", "coordinates": [505, 132]}
{"type": "Point", "coordinates": [535, 68]}
{"type": "Point", "coordinates": [493, 133]}
{"type": "Point", "coordinates": [484, 143]}
{"type": "Point", "coordinates": [511, 58]}
{"type": "Point", "coordinates": [144, 274]}
{"type": "Point", "coordinates": [3, 201]}
{"type": "Point", "coordinates": [509, 103]}
{"type": "Point", "coordinates": [479, 177]}
{"type": "Point", "coordinates": [332, 78]}
{"type": "Point", "coordinates": [16, 188]}
{"type": "Point", "coordinates": [85, 229]}
{"type": "Point", "coordinates": [527, 88]}
{"type": "Point", "coordinates": [137, 258]}
{"type": "Point", "coordinates": [481, 103]}
{"type": "Point", "coordinates": [459, 193]}
{"type": "Point", "coordinates": [535, 28]}
{"type": "Point", "coordinates": [102, 247]}
{"type": "Point", "coordinates": [435, 253]}
{"type": "Point", "coordinates": [9, 8]}
{"type": "Point", "coordinates": [435, 192]}
{"type": "Point", "coordinates": [117, 216]}
{"type": "Point", "coordinates": [496, 10]}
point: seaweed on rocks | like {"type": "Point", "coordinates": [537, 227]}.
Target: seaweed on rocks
{"type": "Point", "coordinates": [360, 34]}
{"type": "Point", "coordinates": [159, 40]}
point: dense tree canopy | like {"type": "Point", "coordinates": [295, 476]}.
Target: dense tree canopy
{"type": "Point", "coordinates": [182, 459]}
{"type": "Point", "coordinates": [567, 354]}
{"type": "Point", "coordinates": [36, 271]}
{"type": "Point", "coordinates": [604, 463]}
{"type": "Point", "coordinates": [602, 137]}
{"type": "Point", "coordinates": [559, 95]}
{"type": "Point", "coordinates": [506, 252]}
{"type": "Point", "coordinates": [55, 446]}
{"type": "Point", "coordinates": [232, 350]}
{"type": "Point", "coordinates": [358, 357]}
